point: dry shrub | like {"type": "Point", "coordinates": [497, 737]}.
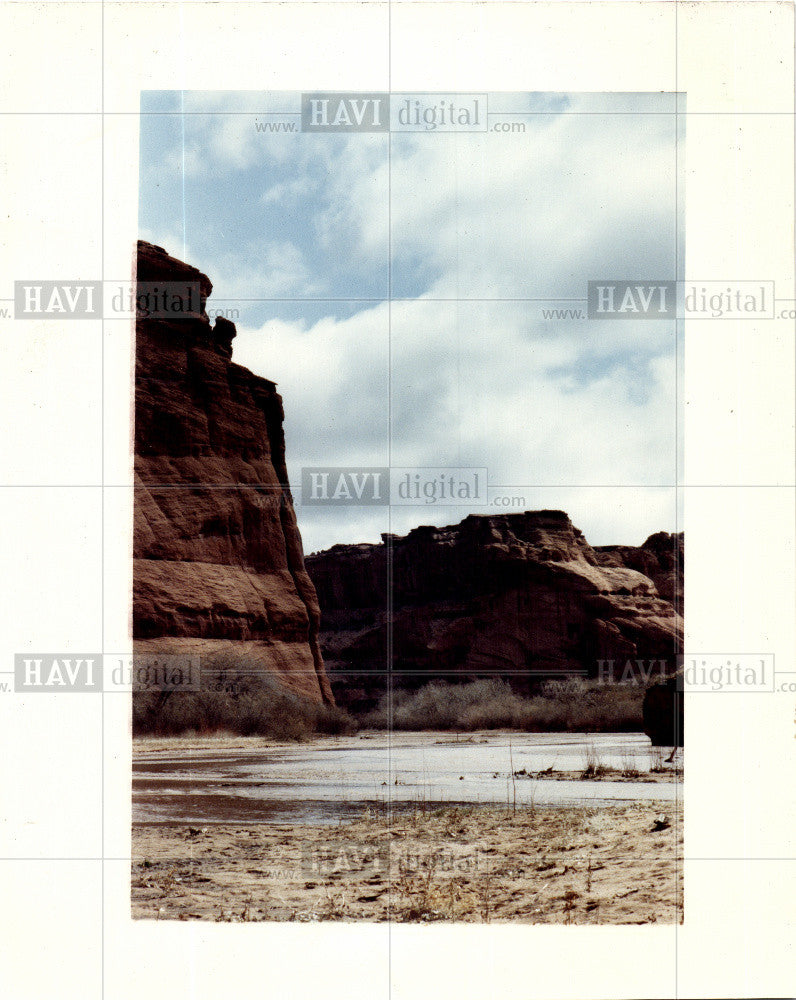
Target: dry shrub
{"type": "Point", "coordinates": [236, 696]}
{"type": "Point", "coordinates": [572, 704]}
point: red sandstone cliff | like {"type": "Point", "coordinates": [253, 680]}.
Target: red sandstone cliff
{"type": "Point", "coordinates": [218, 561]}
{"type": "Point", "coordinates": [517, 595]}
{"type": "Point", "coordinates": [660, 558]}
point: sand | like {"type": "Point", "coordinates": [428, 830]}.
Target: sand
{"type": "Point", "coordinates": [607, 865]}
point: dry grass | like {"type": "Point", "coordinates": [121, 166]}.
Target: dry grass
{"type": "Point", "coordinates": [593, 768]}
{"type": "Point", "coordinates": [629, 768]}
{"type": "Point", "coordinates": [476, 864]}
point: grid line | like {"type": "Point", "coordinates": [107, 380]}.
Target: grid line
{"type": "Point", "coordinates": [679, 325]}
{"type": "Point", "coordinates": [102, 508]}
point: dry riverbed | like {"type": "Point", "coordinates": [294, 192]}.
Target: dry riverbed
{"type": "Point", "coordinates": [610, 864]}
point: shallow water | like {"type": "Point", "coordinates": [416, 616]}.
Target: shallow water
{"type": "Point", "coordinates": [335, 778]}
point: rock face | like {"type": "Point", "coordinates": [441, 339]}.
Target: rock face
{"type": "Point", "coordinates": [218, 561]}
{"type": "Point", "coordinates": [519, 595]}
{"type": "Point", "coordinates": [660, 558]}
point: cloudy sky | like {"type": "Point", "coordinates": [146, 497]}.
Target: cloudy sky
{"type": "Point", "coordinates": [395, 288]}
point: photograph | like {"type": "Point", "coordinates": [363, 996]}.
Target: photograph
{"type": "Point", "coordinates": [408, 565]}
{"type": "Point", "coordinates": [398, 482]}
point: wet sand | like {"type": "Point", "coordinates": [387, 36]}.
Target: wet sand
{"type": "Point", "coordinates": [546, 865]}
{"type": "Point", "coordinates": [218, 779]}
{"type": "Point", "coordinates": [217, 840]}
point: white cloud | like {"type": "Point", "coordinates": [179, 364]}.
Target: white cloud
{"type": "Point", "coordinates": [521, 214]}
{"type": "Point", "coordinates": [290, 190]}
{"type": "Point", "coordinates": [260, 270]}
{"type": "Point", "coordinates": [466, 386]}
{"type": "Point", "coordinates": [576, 406]}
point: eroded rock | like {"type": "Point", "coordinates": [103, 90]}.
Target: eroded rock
{"type": "Point", "coordinates": [517, 595]}
{"type": "Point", "coordinates": [218, 560]}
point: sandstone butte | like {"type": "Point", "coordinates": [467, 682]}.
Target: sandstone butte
{"type": "Point", "coordinates": [517, 595]}
{"type": "Point", "coordinates": [219, 567]}
{"type": "Point", "coordinates": [218, 561]}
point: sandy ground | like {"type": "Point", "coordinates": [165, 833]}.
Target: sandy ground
{"type": "Point", "coordinates": [614, 864]}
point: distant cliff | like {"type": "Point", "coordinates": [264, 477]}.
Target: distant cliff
{"type": "Point", "coordinates": [218, 561]}
{"type": "Point", "coordinates": [518, 595]}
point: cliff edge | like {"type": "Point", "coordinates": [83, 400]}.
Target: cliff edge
{"type": "Point", "coordinates": [218, 560]}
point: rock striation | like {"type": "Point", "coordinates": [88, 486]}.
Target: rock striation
{"type": "Point", "coordinates": [518, 595]}
{"type": "Point", "coordinates": [660, 558]}
{"type": "Point", "coordinates": [218, 561]}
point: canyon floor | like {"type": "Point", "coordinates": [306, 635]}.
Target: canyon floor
{"type": "Point", "coordinates": [211, 842]}
{"type": "Point", "coordinates": [612, 865]}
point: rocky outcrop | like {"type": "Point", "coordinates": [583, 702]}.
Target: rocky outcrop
{"type": "Point", "coordinates": [521, 595]}
{"type": "Point", "coordinates": [660, 558]}
{"type": "Point", "coordinates": [218, 561]}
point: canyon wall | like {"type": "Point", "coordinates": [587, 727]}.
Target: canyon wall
{"type": "Point", "coordinates": [218, 562]}
{"type": "Point", "coordinates": [520, 596]}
